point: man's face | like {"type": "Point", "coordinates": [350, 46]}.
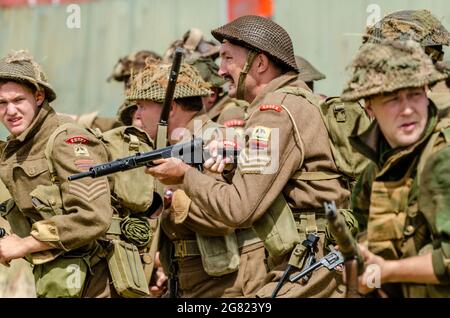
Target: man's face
{"type": "Point", "coordinates": [18, 106]}
{"type": "Point", "coordinates": [232, 62]}
{"type": "Point", "coordinates": [401, 115]}
{"type": "Point", "coordinates": [149, 113]}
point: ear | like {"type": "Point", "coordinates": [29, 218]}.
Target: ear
{"type": "Point", "coordinates": [368, 107]}
{"type": "Point", "coordinates": [262, 63]}
{"type": "Point", "coordinates": [174, 107]}
{"type": "Point", "coordinates": [40, 97]}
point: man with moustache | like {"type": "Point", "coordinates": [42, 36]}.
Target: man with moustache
{"type": "Point", "coordinates": [286, 171]}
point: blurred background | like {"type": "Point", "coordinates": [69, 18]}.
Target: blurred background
{"type": "Point", "coordinates": [78, 42]}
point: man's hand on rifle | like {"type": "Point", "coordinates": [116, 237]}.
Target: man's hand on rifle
{"type": "Point", "coordinates": [216, 163]}
{"type": "Point", "coordinates": [372, 274]}
{"type": "Point", "coordinates": [168, 171]}
{"type": "Point", "coordinates": [160, 280]}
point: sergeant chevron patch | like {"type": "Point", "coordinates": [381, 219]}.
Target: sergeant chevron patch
{"type": "Point", "coordinates": [88, 192]}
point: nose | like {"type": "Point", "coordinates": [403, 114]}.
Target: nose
{"type": "Point", "coordinates": [11, 109]}
{"type": "Point", "coordinates": [222, 70]}
{"type": "Point", "coordinates": [406, 106]}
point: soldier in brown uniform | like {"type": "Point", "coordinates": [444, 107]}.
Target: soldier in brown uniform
{"type": "Point", "coordinates": [186, 240]}
{"type": "Point", "coordinates": [55, 223]}
{"type": "Point", "coordinates": [283, 171]}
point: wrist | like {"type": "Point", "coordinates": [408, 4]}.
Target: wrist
{"type": "Point", "coordinates": [388, 272]}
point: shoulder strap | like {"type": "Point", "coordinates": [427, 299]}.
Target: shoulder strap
{"type": "Point", "coordinates": [315, 100]}
{"type": "Point", "coordinates": [49, 149]}
{"type": "Point", "coordinates": [433, 145]}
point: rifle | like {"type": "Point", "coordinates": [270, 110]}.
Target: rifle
{"type": "Point", "coordinates": [191, 152]}
{"type": "Point", "coordinates": [353, 261]}
{"type": "Point", "coordinates": [161, 135]}
{"type": "Point", "coordinates": [161, 131]}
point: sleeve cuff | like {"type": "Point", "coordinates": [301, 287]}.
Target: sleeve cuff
{"type": "Point", "coordinates": [180, 206]}
{"type": "Point", "coordinates": [441, 266]}
{"type": "Point", "coordinates": [46, 231]}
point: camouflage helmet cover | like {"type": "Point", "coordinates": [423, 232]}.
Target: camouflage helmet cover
{"type": "Point", "coordinates": [262, 35]}
{"type": "Point", "coordinates": [151, 83]}
{"type": "Point", "coordinates": [136, 61]}
{"type": "Point", "coordinates": [418, 25]}
{"type": "Point", "coordinates": [387, 67]}
{"type": "Point", "coordinates": [194, 45]}
{"type": "Point", "coordinates": [308, 73]}
{"type": "Point", "coordinates": [209, 71]}
{"type": "Point", "coordinates": [20, 66]}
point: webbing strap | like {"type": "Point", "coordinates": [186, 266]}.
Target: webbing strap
{"type": "Point", "coordinates": [134, 143]}
{"type": "Point", "coordinates": [49, 149]}
{"type": "Point", "coordinates": [114, 228]}
{"type": "Point", "coordinates": [311, 225]}
{"type": "Point", "coordinates": [248, 64]}
{"type": "Point", "coordinates": [184, 248]}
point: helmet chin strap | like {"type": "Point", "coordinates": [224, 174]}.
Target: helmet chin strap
{"type": "Point", "coordinates": [240, 89]}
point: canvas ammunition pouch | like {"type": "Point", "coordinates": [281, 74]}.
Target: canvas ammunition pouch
{"type": "Point", "coordinates": [277, 228]}
{"type": "Point", "coordinates": [125, 266]}
{"type": "Point", "coordinates": [220, 255]}
{"type": "Point", "coordinates": [283, 230]}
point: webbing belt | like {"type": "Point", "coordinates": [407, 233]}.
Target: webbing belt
{"type": "Point", "coordinates": [184, 248]}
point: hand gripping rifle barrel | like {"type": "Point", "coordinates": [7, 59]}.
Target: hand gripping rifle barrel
{"type": "Point", "coordinates": [354, 264]}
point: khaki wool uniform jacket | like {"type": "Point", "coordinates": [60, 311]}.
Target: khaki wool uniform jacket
{"type": "Point", "coordinates": [86, 207]}
{"type": "Point", "coordinates": [251, 192]}
{"type": "Point", "coordinates": [194, 282]}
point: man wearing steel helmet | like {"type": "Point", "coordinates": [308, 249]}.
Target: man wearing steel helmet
{"type": "Point", "coordinates": [420, 26]}
{"type": "Point", "coordinates": [402, 198]}
{"type": "Point", "coordinates": [206, 257]}
{"type": "Point", "coordinates": [56, 224]}
{"type": "Point", "coordinates": [235, 113]}
{"type": "Point", "coordinates": [282, 173]}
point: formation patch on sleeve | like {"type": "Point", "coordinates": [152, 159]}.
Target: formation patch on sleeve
{"type": "Point", "coordinates": [274, 107]}
{"type": "Point", "coordinates": [88, 192]}
{"type": "Point", "coordinates": [261, 133]}
{"type": "Point", "coordinates": [77, 140]}
{"type": "Point", "coordinates": [228, 144]}
{"type": "Point", "coordinates": [234, 123]}
{"type": "Point", "coordinates": [258, 144]}
{"type": "Point", "coordinates": [80, 150]}
{"type": "Point", "coordinates": [84, 164]}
